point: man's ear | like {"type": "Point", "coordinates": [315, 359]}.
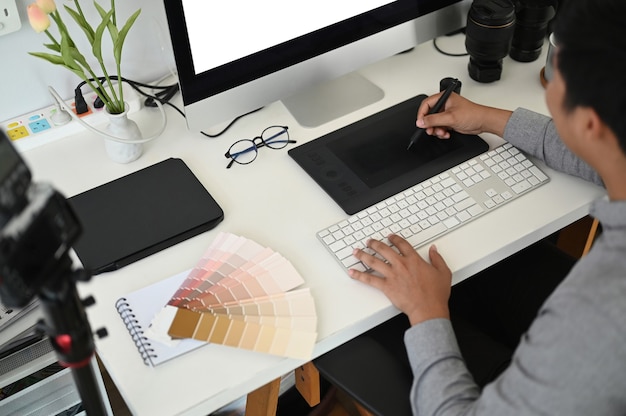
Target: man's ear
{"type": "Point", "coordinates": [594, 127]}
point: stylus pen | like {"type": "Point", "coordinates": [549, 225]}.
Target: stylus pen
{"type": "Point", "coordinates": [436, 108]}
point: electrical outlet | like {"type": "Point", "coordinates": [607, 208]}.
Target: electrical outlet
{"type": "Point", "coordinates": [9, 17]}
{"type": "Point", "coordinates": [18, 132]}
{"type": "Point", "coordinates": [86, 113]}
{"type": "Point", "coordinates": [38, 128]}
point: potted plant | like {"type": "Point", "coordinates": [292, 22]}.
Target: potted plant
{"type": "Point", "coordinates": [63, 51]}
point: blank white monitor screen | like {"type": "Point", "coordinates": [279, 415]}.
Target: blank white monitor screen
{"type": "Point", "coordinates": [235, 56]}
{"type": "Point", "coordinates": [262, 25]}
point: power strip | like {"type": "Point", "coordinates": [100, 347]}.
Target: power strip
{"type": "Point", "coordinates": [38, 128]}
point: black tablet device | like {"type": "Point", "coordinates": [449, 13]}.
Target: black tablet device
{"type": "Point", "coordinates": [365, 162]}
{"type": "Point", "coordinates": [140, 214]}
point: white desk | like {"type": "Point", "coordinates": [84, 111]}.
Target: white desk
{"type": "Point", "coordinates": [277, 204]}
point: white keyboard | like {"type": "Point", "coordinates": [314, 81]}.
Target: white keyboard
{"type": "Point", "coordinates": [438, 205]}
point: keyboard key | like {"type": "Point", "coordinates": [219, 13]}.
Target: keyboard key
{"type": "Point", "coordinates": [463, 216]}
{"type": "Point", "coordinates": [344, 253]}
{"type": "Point", "coordinates": [539, 174]}
{"type": "Point", "coordinates": [466, 203]}
{"type": "Point", "coordinates": [521, 187]}
{"type": "Point", "coordinates": [475, 210]}
{"type": "Point", "coordinates": [336, 246]}
{"type": "Point", "coordinates": [451, 222]}
{"type": "Point", "coordinates": [428, 234]}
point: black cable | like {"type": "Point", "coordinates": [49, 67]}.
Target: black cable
{"type": "Point", "coordinates": [80, 105]}
{"type": "Point", "coordinates": [149, 102]}
{"type": "Point", "coordinates": [447, 53]}
{"type": "Point", "coordinates": [164, 96]}
{"type": "Point", "coordinates": [212, 136]}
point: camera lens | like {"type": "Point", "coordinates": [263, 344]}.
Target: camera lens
{"type": "Point", "coordinates": [489, 32]}
{"type": "Point", "coordinates": [531, 27]}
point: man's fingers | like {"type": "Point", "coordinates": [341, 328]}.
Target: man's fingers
{"type": "Point", "coordinates": [381, 248]}
{"type": "Point", "coordinates": [436, 260]}
{"type": "Point", "coordinates": [427, 104]}
{"type": "Point", "coordinates": [404, 247]}
{"type": "Point", "coordinates": [372, 262]}
{"type": "Point", "coordinates": [367, 278]}
{"type": "Point", "coordinates": [439, 120]}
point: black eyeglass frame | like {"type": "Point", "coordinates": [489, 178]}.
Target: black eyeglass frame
{"type": "Point", "coordinates": [256, 143]}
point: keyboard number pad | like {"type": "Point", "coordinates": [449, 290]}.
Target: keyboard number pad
{"type": "Point", "coordinates": [514, 170]}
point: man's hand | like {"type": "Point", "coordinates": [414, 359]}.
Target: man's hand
{"type": "Point", "coordinates": [461, 115]}
{"type": "Point", "coordinates": [419, 289]}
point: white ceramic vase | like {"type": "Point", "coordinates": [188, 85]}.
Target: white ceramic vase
{"type": "Point", "coordinates": [122, 127]}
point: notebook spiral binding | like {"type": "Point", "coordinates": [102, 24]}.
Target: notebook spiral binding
{"type": "Point", "coordinates": [136, 331]}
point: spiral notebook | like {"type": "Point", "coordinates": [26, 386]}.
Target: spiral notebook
{"type": "Point", "coordinates": [138, 309]}
{"type": "Point", "coordinates": [239, 294]}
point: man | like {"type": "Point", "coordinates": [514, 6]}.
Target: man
{"type": "Point", "coordinates": [572, 358]}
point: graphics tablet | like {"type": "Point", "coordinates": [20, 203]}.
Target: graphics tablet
{"type": "Point", "coordinates": [365, 162]}
{"type": "Point", "coordinates": [140, 214]}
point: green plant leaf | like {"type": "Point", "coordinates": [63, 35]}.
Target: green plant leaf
{"type": "Point", "coordinates": [97, 43]}
{"type": "Point", "coordinates": [78, 57]}
{"type": "Point", "coordinates": [53, 59]}
{"type": "Point", "coordinates": [73, 59]}
{"type": "Point", "coordinates": [111, 25]}
{"type": "Point", "coordinates": [80, 73]}
{"type": "Point", "coordinates": [117, 47]}
{"type": "Point", "coordinates": [61, 26]}
{"type": "Point", "coordinates": [66, 53]}
{"type": "Point", "coordinates": [58, 60]}
{"type": "Point", "coordinates": [53, 47]}
{"type": "Point", "coordinates": [82, 23]}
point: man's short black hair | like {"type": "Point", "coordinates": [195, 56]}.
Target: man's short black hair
{"type": "Point", "coordinates": [591, 38]}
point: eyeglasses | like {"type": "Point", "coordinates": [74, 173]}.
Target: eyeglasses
{"type": "Point", "coordinates": [246, 150]}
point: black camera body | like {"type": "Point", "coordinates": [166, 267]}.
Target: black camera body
{"type": "Point", "coordinates": [37, 230]}
{"type": "Point", "coordinates": [15, 179]}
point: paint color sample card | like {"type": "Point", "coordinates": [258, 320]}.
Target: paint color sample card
{"type": "Point", "coordinates": [138, 309]}
{"type": "Point", "coordinates": [243, 295]}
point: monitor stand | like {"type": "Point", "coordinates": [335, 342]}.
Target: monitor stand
{"type": "Point", "coordinates": [325, 102]}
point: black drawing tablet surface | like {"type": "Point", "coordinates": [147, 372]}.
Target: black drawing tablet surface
{"type": "Point", "coordinates": [365, 162]}
{"type": "Point", "coordinates": [140, 214]}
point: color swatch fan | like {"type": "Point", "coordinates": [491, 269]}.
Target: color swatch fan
{"type": "Point", "coordinates": [244, 295]}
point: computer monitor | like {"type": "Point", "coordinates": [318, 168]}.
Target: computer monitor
{"type": "Point", "coordinates": [234, 57]}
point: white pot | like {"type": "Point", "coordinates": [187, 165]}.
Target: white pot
{"type": "Point", "coordinates": [123, 128]}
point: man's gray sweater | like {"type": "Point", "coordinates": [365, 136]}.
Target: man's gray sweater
{"type": "Point", "coordinates": [572, 360]}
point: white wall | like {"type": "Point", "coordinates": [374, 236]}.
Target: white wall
{"type": "Point", "coordinates": [24, 79]}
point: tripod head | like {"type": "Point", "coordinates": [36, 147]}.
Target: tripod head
{"type": "Point", "coordinates": [37, 230]}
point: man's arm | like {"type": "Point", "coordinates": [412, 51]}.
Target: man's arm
{"type": "Point", "coordinates": [536, 134]}
{"type": "Point", "coordinates": [529, 131]}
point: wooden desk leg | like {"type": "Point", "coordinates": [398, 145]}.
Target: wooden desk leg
{"type": "Point", "coordinates": [362, 411]}
{"type": "Point", "coordinates": [308, 383]}
{"type": "Point", "coordinates": [576, 239]}
{"type": "Point", "coordinates": [264, 400]}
